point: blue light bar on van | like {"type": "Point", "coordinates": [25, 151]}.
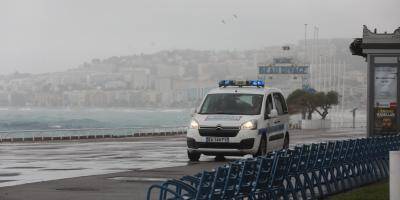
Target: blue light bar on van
{"type": "Point", "coordinates": [254, 83]}
{"type": "Point", "coordinates": [224, 83]}
{"type": "Point", "coordinates": [258, 83]}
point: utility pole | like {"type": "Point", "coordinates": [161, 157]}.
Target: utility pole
{"type": "Point", "coordinates": [319, 73]}
{"type": "Point", "coordinates": [312, 65]}
{"type": "Point", "coordinates": [354, 116]}
{"type": "Point", "coordinates": [305, 43]}
{"type": "Point", "coordinates": [324, 74]}
{"type": "Point", "coordinates": [330, 74]}
{"type": "Point", "coordinates": [335, 86]}
{"type": "Point", "coordinates": [317, 44]}
{"type": "Point", "coordinates": [334, 76]}
{"type": "Point", "coordinates": [343, 82]}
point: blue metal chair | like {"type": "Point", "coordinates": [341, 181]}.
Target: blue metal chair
{"type": "Point", "coordinates": [164, 193]}
{"type": "Point", "coordinates": [263, 178]}
{"type": "Point", "coordinates": [334, 166]}
{"type": "Point", "coordinates": [247, 177]}
{"type": "Point", "coordinates": [350, 170]}
{"type": "Point", "coordinates": [316, 161]}
{"type": "Point", "coordinates": [304, 170]}
{"type": "Point", "coordinates": [379, 157]}
{"type": "Point", "coordinates": [232, 180]}
{"type": "Point", "coordinates": [220, 178]}
{"type": "Point", "coordinates": [310, 163]}
{"type": "Point", "coordinates": [182, 190]}
{"type": "Point", "coordinates": [380, 161]}
{"type": "Point", "coordinates": [342, 178]}
{"type": "Point", "coordinates": [279, 173]}
{"type": "Point", "coordinates": [359, 160]}
{"type": "Point", "coordinates": [294, 183]}
{"type": "Point", "coordinates": [385, 156]}
{"type": "Point", "coordinates": [192, 180]}
{"type": "Point", "coordinates": [325, 175]}
{"type": "Point", "coordinates": [205, 185]}
{"type": "Point", "coordinates": [289, 174]}
{"type": "Point", "coordinates": [370, 159]}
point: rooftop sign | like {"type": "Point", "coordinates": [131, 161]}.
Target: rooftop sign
{"type": "Point", "coordinates": [283, 69]}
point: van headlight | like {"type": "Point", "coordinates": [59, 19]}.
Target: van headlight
{"type": "Point", "coordinates": [249, 125]}
{"type": "Point", "coordinates": [194, 124]}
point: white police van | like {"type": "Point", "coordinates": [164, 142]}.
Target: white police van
{"type": "Point", "coordinates": [239, 118]}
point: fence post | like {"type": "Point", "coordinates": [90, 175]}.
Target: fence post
{"type": "Point", "coordinates": [394, 175]}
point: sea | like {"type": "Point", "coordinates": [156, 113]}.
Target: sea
{"type": "Point", "coordinates": [76, 118]}
{"type": "Point", "coordinates": [36, 122]}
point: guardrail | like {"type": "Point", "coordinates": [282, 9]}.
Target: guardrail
{"type": "Point", "coordinates": [359, 124]}
{"type": "Point", "coordinates": [89, 133]}
{"type": "Point", "coordinates": [334, 125]}
{"type": "Point", "coordinates": [309, 171]}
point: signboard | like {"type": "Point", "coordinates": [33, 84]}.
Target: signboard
{"type": "Point", "coordinates": [385, 99]}
{"type": "Point", "coordinates": [283, 69]}
{"type": "Point", "coordinates": [385, 86]}
{"type": "Point", "coordinates": [385, 120]}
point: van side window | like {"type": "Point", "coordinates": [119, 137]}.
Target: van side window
{"type": "Point", "coordinates": [280, 104]}
{"type": "Point", "coordinates": [269, 105]}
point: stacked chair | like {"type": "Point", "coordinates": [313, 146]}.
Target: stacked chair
{"type": "Point", "coordinates": [309, 171]}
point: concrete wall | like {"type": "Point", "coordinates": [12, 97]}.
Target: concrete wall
{"type": "Point", "coordinates": [315, 124]}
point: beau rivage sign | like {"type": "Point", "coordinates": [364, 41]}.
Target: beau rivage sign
{"type": "Point", "coordinates": [382, 53]}
{"type": "Point", "coordinates": [282, 69]}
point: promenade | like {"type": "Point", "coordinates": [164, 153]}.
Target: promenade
{"type": "Point", "coordinates": [109, 169]}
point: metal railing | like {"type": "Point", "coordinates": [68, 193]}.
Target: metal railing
{"type": "Point", "coordinates": [335, 125]}
{"type": "Point", "coordinates": [87, 133]}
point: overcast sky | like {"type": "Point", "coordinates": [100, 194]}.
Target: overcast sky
{"type": "Point", "coordinates": [46, 36]}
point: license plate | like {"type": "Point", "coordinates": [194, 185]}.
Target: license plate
{"type": "Point", "coordinates": [217, 139]}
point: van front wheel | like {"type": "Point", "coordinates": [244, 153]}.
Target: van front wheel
{"type": "Point", "coordinates": [262, 149]}
{"type": "Point", "coordinates": [194, 157]}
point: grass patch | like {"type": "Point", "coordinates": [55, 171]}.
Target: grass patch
{"type": "Point", "coordinates": [374, 191]}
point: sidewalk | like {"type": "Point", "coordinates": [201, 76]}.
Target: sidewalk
{"type": "Point", "coordinates": [130, 185]}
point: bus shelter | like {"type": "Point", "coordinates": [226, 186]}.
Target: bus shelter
{"type": "Point", "coordinates": [382, 53]}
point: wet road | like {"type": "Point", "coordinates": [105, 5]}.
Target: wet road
{"type": "Point", "coordinates": [35, 162]}
{"type": "Point", "coordinates": [29, 162]}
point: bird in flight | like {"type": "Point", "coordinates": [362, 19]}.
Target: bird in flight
{"type": "Point", "coordinates": [235, 16]}
{"type": "Point", "coordinates": [223, 21]}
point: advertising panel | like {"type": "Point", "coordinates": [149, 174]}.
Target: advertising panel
{"type": "Point", "coordinates": [385, 100]}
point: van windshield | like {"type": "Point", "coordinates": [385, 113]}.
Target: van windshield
{"type": "Point", "coordinates": [232, 104]}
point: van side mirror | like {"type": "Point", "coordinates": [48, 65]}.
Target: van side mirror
{"type": "Point", "coordinates": [274, 113]}
{"type": "Point", "coordinates": [193, 111]}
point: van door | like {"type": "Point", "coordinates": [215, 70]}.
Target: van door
{"type": "Point", "coordinates": [280, 123]}
{"type": "Point", "coordinates": [269, 128]}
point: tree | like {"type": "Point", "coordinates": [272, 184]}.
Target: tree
{"type": "Point", "coordinates": [307, 102]}
{"type": "Point", "coordinates": [325, 102]}
{"type": "Point", "coordinates": [295, 102]}
{"type": "Point", "coordinates": [302, 101]}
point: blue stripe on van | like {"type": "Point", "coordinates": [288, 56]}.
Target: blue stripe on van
{"type": "Point", "coordinates": [265, 131]}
